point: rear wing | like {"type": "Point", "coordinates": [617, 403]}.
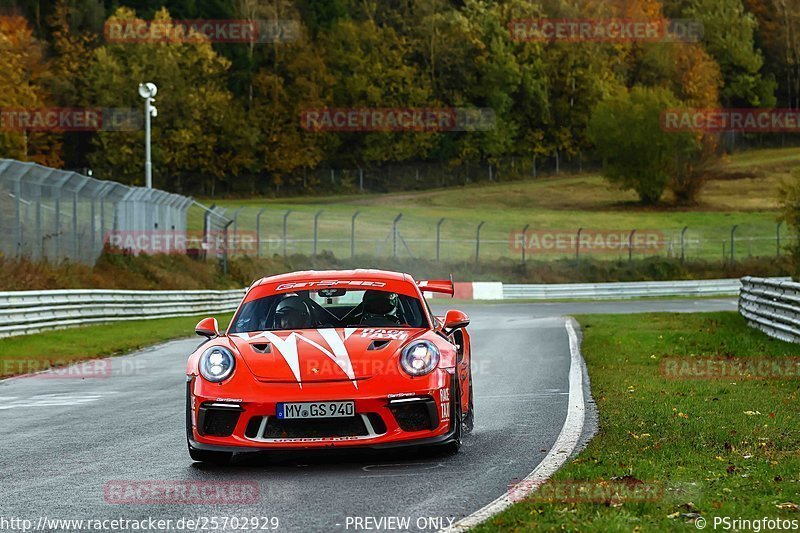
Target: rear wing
{"type": "Point", "coordinates": [444, 286]}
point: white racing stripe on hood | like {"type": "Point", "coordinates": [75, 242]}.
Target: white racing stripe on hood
{"type": "Point", "coordinates": [288, 350]}
{"type": "Point", "coordinates": [339, 355]}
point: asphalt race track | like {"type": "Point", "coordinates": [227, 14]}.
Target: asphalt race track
{"type": "Point", "coordinates": [64, 439]}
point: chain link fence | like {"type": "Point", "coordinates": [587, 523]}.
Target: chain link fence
{"type": "Point", "coordinates": [385, 232]}
{"type": "Point", "coordinates": [53, 214]}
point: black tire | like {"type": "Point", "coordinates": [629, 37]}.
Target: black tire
{"type": "Point", "coordinates": [216, 458]}
{"type": "Point", "coordinates": [469, 419]}
{"type": "Point", "coordinates": [456, 417]}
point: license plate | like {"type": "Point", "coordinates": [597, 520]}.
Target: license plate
{"type": "Point", "coordinates": [287, 410]}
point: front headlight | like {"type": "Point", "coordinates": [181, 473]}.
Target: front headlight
{"type": "Point", "coordinates": [419, 358]}
{"type": "Point", "coordinates": [216, 364]}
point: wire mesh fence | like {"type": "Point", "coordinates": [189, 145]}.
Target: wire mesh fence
{"type": "Point", "coordinates": [53, 214]}
{"type": "Point", "coordinates": [384, 232]}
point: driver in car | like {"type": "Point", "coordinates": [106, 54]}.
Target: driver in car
{"type": "Point", "coordinates": [292, 313]}
{"type": "Point", "coordinates": [379, 308]}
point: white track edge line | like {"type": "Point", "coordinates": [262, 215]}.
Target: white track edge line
{"type": "Point", "coordinates": [563, 447]}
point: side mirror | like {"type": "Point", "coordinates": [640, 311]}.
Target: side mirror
{"type": "Point", "coordinates": [208, 327]}
{"type": "Point", "coordinates": [455, 319]}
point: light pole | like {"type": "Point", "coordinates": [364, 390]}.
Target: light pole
{"type": "Point", "coordinates": [316, 223]}
{"type": "Point", "coordinates": [478, 242]}
{"type": "Point", "coordinates": [353, 234]}
{"type": "Point", "coordinates": [285, 217]}
{"type": "Point", "coordinates": [148, 91]}
{"type": "Point", "coordinates": [394, 234]}
{"type": "Point", "coordinates": [438, 236]}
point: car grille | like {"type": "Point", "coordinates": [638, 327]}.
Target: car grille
{"type": "Point", "coordinates": [417, 415]}
{"type": "Point", "coordinates": [215, 422]}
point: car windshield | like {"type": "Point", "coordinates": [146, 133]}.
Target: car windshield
{"type": "Point", "coordinates": [330, 308]}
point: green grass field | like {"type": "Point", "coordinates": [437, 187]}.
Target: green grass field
{"type": "Point", "coordinates": [709, 448]}
{"type": "Point", "coordinates": [52, 349]}
{"type": "Point", "coordinates": [744, 192]}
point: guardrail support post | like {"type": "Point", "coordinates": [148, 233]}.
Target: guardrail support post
{"type": "Point", "coordinates": [683, 243]}
{"type": "Point", "coordinates": [285, 217]}
{"type": "Point", "coordinates": [733, 243]}
{"type": "Point", "coordinates": [524, 241]}
{"type": "Point", "coordinates": [438, 237]}
{"type": "Point", "coordinates": [353, 231]}
{"type": "Point", "coordinates": [316, 220]}
{"type": "Point", "coordinates": [258, 232]}
{"type": "Point", "coordinates": [478, 241]}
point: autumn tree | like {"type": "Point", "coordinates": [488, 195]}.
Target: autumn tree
{"type": "Point", "coordinates": [728, 34]}
{"type": "Point", "coordinates": [201, 136]}
{"type": "Point", "coordinates": [298, 80]}
{"type": "Point", "coordinates": [778, 34]}
{"type": "Point", "coordinates": [372, 71]}
{"type": "Point", "coordinates": [24, 69]}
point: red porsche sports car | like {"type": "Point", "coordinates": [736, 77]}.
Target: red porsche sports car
{"type": "Point", "coordinates": [330, 359]}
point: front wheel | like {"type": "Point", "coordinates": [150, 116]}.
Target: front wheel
{"type": "Point", "coordinates": [456, 418]}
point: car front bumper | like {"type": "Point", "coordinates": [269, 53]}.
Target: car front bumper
{"type": "Point", "coordinates": [420, 415]}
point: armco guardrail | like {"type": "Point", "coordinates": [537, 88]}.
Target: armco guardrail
{"type": "Point", "coordinates": [773, 306]}
{"type": "Point", "coordinates": [23, 312]}
{"type": "Point", "coordinates": [616, 291]}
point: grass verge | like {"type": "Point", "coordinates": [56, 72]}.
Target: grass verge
{"type": "Point", "coordinates": [53, 349]}
{"type": "Point", "coordinates": [710, 448]}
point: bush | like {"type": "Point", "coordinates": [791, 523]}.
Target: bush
{"type": "Point", "coordinates": [639, 154]}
